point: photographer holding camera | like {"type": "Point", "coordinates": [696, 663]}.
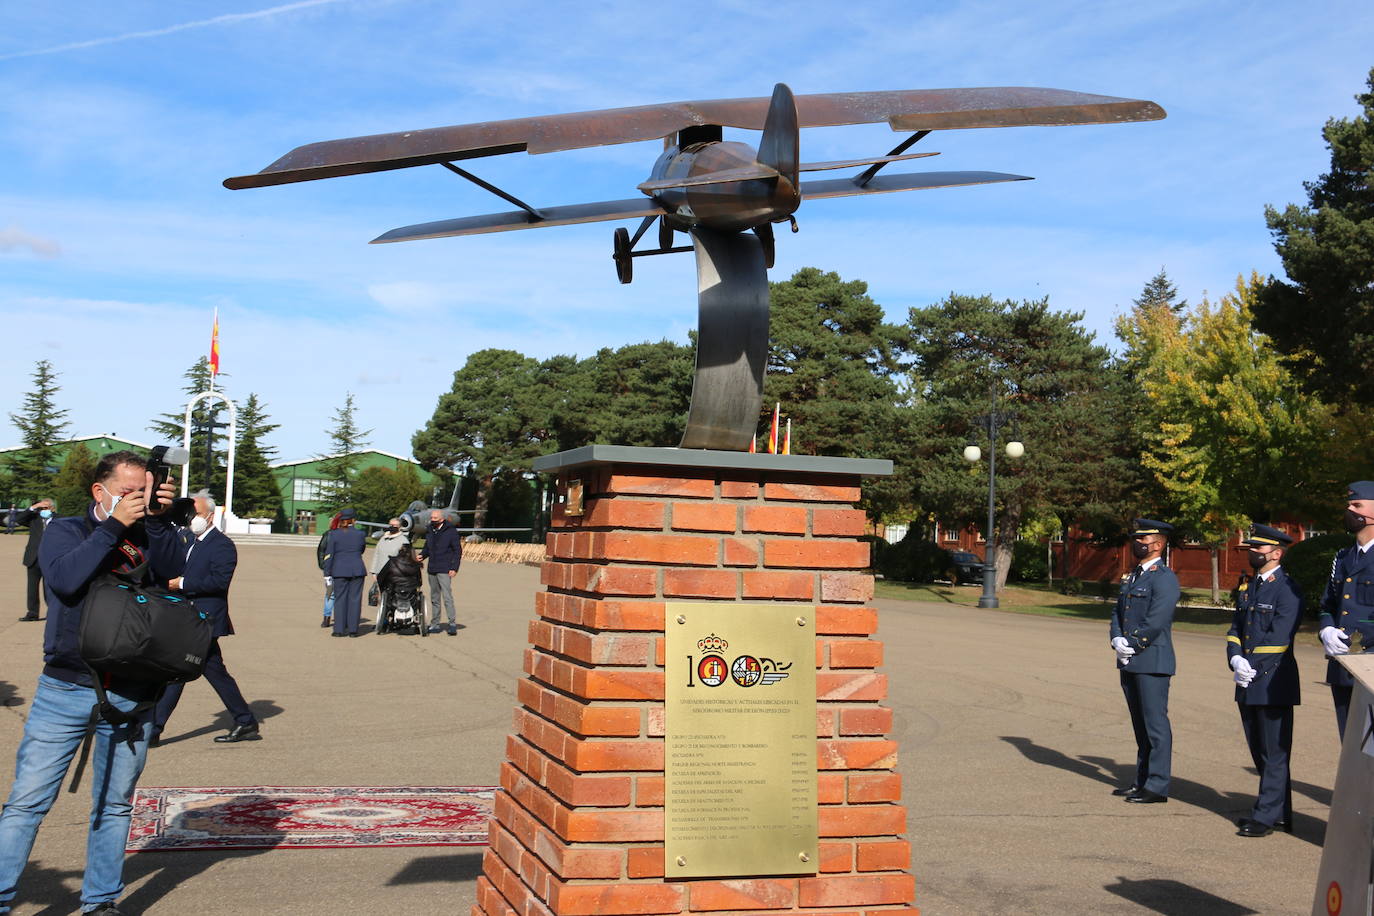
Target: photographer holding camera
{"type": "Point", "coordinates": [124, 526]}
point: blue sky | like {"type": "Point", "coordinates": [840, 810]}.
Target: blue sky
{"type": "Point", "coordinates": [118, 122]}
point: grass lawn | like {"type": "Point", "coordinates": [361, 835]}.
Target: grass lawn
{"type": "Point", "coordinates": [1039, 599]}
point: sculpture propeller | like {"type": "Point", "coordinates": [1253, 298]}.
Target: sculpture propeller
{"type": "Point", "coordinates": [724, 194]}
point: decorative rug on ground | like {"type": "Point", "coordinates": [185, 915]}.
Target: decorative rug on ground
{"type": "Point", "coordinates": [309, 817]}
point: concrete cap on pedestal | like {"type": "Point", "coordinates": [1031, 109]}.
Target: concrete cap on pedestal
{"type": "Point", "coordinates": [594, 455]}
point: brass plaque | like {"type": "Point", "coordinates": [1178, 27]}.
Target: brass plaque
{"type": "Point", "coordinates": [740, 765]}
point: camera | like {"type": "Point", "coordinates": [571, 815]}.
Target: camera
{"type": "Point", "coordinates": [160, 460]}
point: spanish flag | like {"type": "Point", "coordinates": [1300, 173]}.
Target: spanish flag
{"type": "Point", "coordinates": [773, 430]}
{"type": "Point", "coordinates": [214, 347]}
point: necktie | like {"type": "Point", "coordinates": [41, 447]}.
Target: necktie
{"type": "Point", "coordinates": [1135, 574]}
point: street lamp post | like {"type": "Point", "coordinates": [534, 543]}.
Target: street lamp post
{"type": "Point", "coordinates": [992, 422]}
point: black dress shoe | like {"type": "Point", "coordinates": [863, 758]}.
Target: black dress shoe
{"type": "Point", "coordinates": [353, 635]}
{"type": "Point", "coordinates": [326, 623]}
{"type": "Point", "coordinates": [29, 617]}
{"type": "Point", "coordinates": [1146, 797]}
{"type": "Point", "coordinates": [155, 739]}
{"type": "Point", "coordinates": [1254, 828]}
{"type": "Point", "coordinates": [240, 733]}
{"type": "Point", "coordinates": [1126, 790]}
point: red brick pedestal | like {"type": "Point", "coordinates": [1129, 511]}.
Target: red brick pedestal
{"type": "Point", "coordinates": [579, 829]}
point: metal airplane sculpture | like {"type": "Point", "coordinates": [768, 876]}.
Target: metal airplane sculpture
{"type": "Point", "coordinates": [724, 194]}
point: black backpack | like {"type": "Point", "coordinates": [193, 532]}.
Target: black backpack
{"type": "Point", "coordinates": [137, 631]}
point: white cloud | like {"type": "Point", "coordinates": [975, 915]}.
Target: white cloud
{"type": "Point", "coordinates": [12, 238]}
{"type": "Point", "coordinates": [226, 19]}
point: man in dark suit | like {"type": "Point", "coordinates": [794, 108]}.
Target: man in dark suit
{"type": "Point", "coordinates": [1259, 649]}
{"type": "Point", "coordinates": [1141, 637]}
{"type": "Point", "coordinates": [343, 565]}
{"type": "Point", "coordinates": [36, 517]}
{"type": "Point", "coordinates": [210, 561]}
{"type": "Point", "coordinates": [1348, 604]}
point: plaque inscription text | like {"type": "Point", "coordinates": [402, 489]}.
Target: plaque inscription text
{"type": "Point", "coordinates": [740, 767]}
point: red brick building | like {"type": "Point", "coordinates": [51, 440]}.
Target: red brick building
{"type": "Point", "coordinates": [1083, 558]}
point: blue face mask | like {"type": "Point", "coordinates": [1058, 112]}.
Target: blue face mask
{"type": "Point", "coordinates": [45, 513]}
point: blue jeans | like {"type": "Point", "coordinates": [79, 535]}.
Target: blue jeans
{"type": "Point", "coordinates": [52, 735]}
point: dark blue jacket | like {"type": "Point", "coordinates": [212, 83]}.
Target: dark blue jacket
{"type": "Point", "coordinates": [73, 553]}
{"type": "Point", "coordinates": [1267, 616]}
{"type": "Point", "coordinates": [209, 570]}
{"type": "Point", "coordinates": [1349, 604]}
{"type": "Point", "coordinates": [345, 553]}
{"type": "Point", "coordinates": [443, 549]}
{"type": "Point", "coordinates": [1145, 616]}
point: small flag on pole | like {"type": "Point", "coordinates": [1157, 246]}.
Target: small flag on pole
{"type": "Point", "coordinates": [787, 441]}
{"type": "Point", "coordinates": [214, 347]}
{"type": "Point", "coordinates": [773, 430]}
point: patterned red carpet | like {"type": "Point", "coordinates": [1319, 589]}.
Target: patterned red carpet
{"type": "Point", "coordinates": [309, 817]}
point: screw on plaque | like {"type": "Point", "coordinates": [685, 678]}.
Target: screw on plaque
{"type": "Point", "coordinates": [681, 861]}
{"type": "Point", "coordinates": [804, 857]}
{"type": "Point", "coordinates": [801, 621]}
{"type": "Point", "coordinates": [681, 618]}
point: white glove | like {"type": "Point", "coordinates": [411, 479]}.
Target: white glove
{"type": "Point", "coordinates": [328, 580]}
{"type": "Point", "coordinates": [1335, 641]}
{"type": "Point", "coordinates": [1243, 678]}
{"type": "Point", "coordinates": [1123, 650]}
{"type": "Point", "coordinates": [1245, 672]}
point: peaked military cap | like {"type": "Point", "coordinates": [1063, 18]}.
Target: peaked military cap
{"type": "Point", "coordinates": [348, 513]}
{"type": "Point", "coordinates": [1143, 526]}
{"type": "Point", "coordinates": [1361, 489]}
{"type": "Point", "coordinates": [1265, 534]}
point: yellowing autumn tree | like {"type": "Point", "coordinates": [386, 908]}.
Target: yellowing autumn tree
{"type": "Point", "coordinates": [1230, 436]}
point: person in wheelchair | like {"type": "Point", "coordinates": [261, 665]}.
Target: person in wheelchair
{"type": "Point", "coordinates": [398, 582]}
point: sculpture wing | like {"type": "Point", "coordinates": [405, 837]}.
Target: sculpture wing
{"type": "Point", "coordinates": [519, 219]}
{"type": "Point", "coordinates": [884, 184]}
{"type": "Point", "coordinates": [918, 109]}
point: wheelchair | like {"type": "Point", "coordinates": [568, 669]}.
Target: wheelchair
{"type": "Point", "coordinates": [402, 607]}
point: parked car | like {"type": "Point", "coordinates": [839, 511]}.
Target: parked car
{"type": "Point", "coordinates": [966, 567]}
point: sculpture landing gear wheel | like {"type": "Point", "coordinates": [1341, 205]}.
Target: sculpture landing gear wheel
{"type": "Point", "coordinates": [732, 340]}
{"type": "Point", "coordinates": [624, 261]}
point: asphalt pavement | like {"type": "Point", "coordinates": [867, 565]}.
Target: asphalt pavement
{"type": "Point", "coordinates": [1013, 732]}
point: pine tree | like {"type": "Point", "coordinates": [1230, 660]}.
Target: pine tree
{"type": "Point", "coordinates": [494, 421]}
{"type": "Point", "coordinates": [1323, 317]}
{"type": "Point", "coordinates": [72, 485]}
{"type": "Point", "coordinates": [340, 466]}
{"type": "Point", "coordinates": [831, 365]}
{"type": "Point", "coordinates": [170, 428]}
{"type": "Point", "coordinates": [1160, 292]}
{"type": "Point", "coordinates": [41, 427]}
{"type": "Point", "coordinates": [975, 355]}
{"type": "Point", "coordinates": [256, 493]}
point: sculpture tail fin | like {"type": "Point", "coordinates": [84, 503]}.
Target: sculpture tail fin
{"type": "Point", "coordinates": [781, 137]}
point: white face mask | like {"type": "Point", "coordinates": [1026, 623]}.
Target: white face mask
{"type": "Point", "coordinates": [114, 501]}
{"type": "Point", "coordinates": [199, 524]}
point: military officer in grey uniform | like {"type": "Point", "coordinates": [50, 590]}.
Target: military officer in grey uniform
{"type": "Point", "coordinates": [1348, 603]}
{"type": "Point", "coordinates": [1140, 636]}
{"type": "Point", "coordinates": [1259, 649]}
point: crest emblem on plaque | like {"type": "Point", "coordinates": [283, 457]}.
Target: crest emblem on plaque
{"type": "Point", "coordinates": [712, 670]}
{"type": "Point", "coordinates": [746, 671]}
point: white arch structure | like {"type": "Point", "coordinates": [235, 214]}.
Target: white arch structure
{"type": "Point", "coordinates": [233, 438]}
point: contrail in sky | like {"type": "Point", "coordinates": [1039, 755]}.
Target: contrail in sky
{"type": "Point", "coordinates": [181, 27]}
